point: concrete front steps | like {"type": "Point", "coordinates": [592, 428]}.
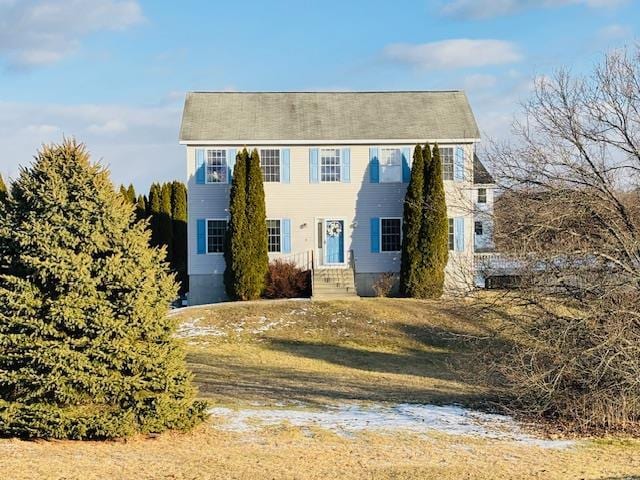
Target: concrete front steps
{"type": "Point", "coordinates": [333, 283]}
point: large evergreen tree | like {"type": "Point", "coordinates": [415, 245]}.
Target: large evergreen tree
{"type": "Point", "coordinates": [435, 237]}
{"type": "Point", "coordinates": [236, 253]}
{"type": "Point", "coordinates": [87, 346]}
{"type": "Point", "coordinates": [257, 221]}
{"type": "Point", "coordinates": [165, 224]}
{"type": "Point", "coordinates": [411, 261]}
{"type": "Point", "coordinates": [179, 218]}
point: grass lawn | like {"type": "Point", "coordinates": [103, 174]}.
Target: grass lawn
{"type": "Point", "coordinates": [295, 355]}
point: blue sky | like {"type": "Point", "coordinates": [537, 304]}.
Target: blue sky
{"type": "Point", "coordinates": [113, 73]}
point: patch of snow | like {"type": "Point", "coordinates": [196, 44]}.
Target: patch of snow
{"type": "Point", "coordinates": [348, 419]}
{"type": "Point", "coordinates": [191, 328]}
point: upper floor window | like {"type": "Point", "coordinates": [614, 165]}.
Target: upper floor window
{"type": "Point", "coordinates": [478, 228]}
{"type": "Point", "coordinates": [330, 165]}
{"type": "Point", "coordinates": [452, 235]}
{"type": "Point", "coordinates": [482, 195]}
{"type": "Point", "coordinates": [390, 165]}
{"type": "Point", "coordinates": [446, 155]}
{"type": "Point", "coordinates": [270, 164]}
{"type": "Point", "coordinates": [390, 234]}
{"type": "Point", "coordinates": [274, 236]}
{"type": "Point", "coordinates": [216, 166]}
{"type": "Point", "coordinates": [216, 230]}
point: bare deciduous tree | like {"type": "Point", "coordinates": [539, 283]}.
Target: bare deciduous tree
{"type": "Point", "coordinates": [570, 210]}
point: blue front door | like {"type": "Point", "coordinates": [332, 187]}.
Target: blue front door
{"type": "Point", "coordinates": [334, 234]}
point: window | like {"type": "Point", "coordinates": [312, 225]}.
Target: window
{"type": "Point", "coordinates": [270, 164]}
{"type": "Point", "coordinates": [273, 236]}
{"type": "Point", "coordinates": [390, 234]}
{"type": "Point", "coordinates": [452, 236]}
{"type": "Point", "coordinates": [216, 166]}
{"type": "Point", "coordinates": [330, 165]}
{"type": "Point", "coordinates": [478, 228]}
{"type": "Point", "coordinates": [482, 195]}
{"type": "Point", "coordinates": [216, 230]}
{"type": "Point", "coordinates": [446, 154]}
{"type": "Point", "coordinates": [390, 165]}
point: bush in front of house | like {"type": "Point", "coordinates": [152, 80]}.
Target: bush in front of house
{"type": "Point", "coordinates": [286, 280]}
{"type": "Point", "coordinates": [87, 346]}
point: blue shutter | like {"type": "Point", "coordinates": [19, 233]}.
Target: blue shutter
{"type": "Point", "coordinates": [375, 235]}
{"type": "Point", "coordinates": [458, 171]}
{"type": "Point", "coordinates": [406, 168]}
{"type": "Point", "coordinates": [231, 163]}
{"type": "Point", "coordinates": [458, 233]}
{"type": "Point", "coordinates": [200, 166]}
{"type": "Point", "coordinates": [285, 170]}
{"type": "Point", "coordinates": [374, 165]}
{"type": "Point", "coordinates": [345, 173]}
{"type": "Point", "coordinates": [285, 232]}
{"type": "Point", "coordinates": [202, 236]}
{"type": "Point", "coordinates": [313, 165]}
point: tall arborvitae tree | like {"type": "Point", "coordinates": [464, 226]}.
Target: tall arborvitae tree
{"type": "Point", "coordinates": [87, 347]}
{"type": "Point", "coordinates": [236, 253]}
{"type": "Point", "coordinates": [179, 218]}
{"type": "Point", "coordinates": [154, 210]}
{"type": "Point", "coordinates": [131, 194]}
{"type": "Point", "coordinates": [435, 239]}
{"type": "Point", "coordinates": [257, 220]}
{"type": "Point", "coordinates": [4, 193]}
{"type": "Point", "coordinates": [123, 192]}
{"type": "Point", "coordinates": [411, 260]}
{"type": "Point", "coordinates": [141, 207]}
{"type": "Point", "coordinates": [165, 225]}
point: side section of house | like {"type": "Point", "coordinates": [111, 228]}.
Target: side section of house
{"type": "Point", "coordinates": [364, 198]}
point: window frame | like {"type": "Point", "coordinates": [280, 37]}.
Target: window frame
{"type": "Point", "coordinates": [451, 243]}
{"type": "Point", "coordinates": [279, 220]}
{"type": "Point", "coordinates": [380, 234]}
{"type": "Point", "coordinates": [453, 164]}
{"type": "Point", "coordinates": [380, 165]}
{"type": "Point", "coordinates": [339, 164]}
{"type": "Point", "coordinates": [484, 196]}
{"type": "Point", "coordinates": [207, 220]}
{"type": "Point", "coordinates": [279, 150]}
{"type": "Point", "coordinates": [206, 166]}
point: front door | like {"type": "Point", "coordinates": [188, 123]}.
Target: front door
{"type": "Point", "coordinates": [334, 242]}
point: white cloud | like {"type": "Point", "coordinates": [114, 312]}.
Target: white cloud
{"type": "Point", "coordinates": [479, 81]}
{"type": "Point", "coordinates": [139, 144]}
{"type": "Point", "coordinates": [493, 8]}
{"type": "Point", "coordinates": [108, 127]}
{"type": "Point", "coordinates": [455, 53]}
{"type": "Point", "coordinates": [615, 32]}
{"type": "Point", "coordinates": [42, 32]}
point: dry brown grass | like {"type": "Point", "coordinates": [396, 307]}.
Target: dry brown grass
{"type": "Point", "coordinates": [386, 350]}
{"type": "Point", "coordinates": [288, 453]}
{"type": "Point", "coordinates": [373, 349]}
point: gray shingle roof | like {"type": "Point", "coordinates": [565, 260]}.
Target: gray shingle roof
{"type": "Point", "coordinates": [480, 173]}
{"type": "Point", "coordinates": [297, 116]}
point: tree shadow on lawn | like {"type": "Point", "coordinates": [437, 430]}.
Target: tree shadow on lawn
{"type": "Point", "coordinates": [226, 383]}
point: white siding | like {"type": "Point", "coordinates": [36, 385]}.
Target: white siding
{"type": "Point", "coordinates": [302, 202]}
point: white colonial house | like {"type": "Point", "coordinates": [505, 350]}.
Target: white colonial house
{"type": "Point", "coordinates": [335, 168]}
